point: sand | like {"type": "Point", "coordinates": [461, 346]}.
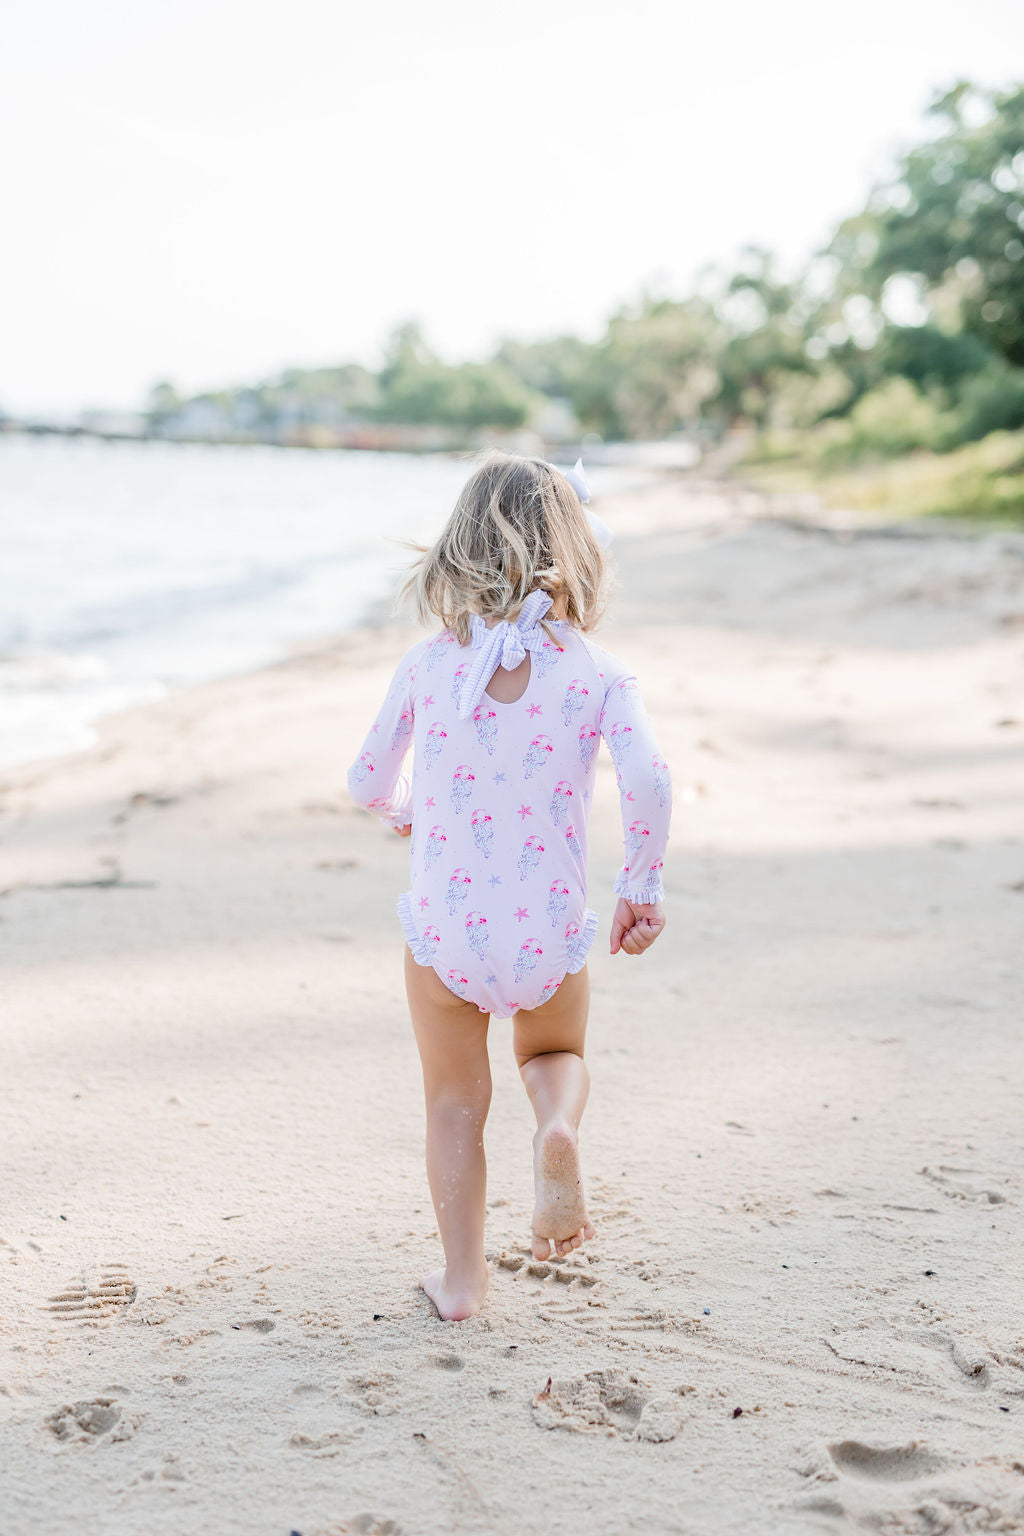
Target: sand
{"type": "Point", "coordinates": [802, 1309]}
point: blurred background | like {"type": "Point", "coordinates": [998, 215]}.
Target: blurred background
{"type": "Point", "coordinates": [271, 273]}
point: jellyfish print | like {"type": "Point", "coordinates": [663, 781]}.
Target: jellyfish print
{"type": "Point", "coordinates": [546, 657]}
{"type": "Point", "coordinates": [653, 880]}
{"type": "Point", "coordinates": [430, 946]}
{"type": "Point", "coordinates": [366, 765]}
{"type": "Point", "coordinates": [456, 982]}
{"type": "Point", "coordinates": [486, 722]}
{"type": "Point", "coordinates": [558, 898]}
{"type": "Point", "coordinates": [458, 678]}
{"type": "Point", "coordinates": [662, 782]}
{"type": "Point", "coordinates": [463, 780]}
{"type": "Point", "coordinates": [639, 835]}
{"type": "Point", "coordinates": [459, 882]}
{"type": "Point", "coordinates": [620, 741]}
{"type": "Point", "coordinates": [476, 933]}
{"type": "Point", "coordinates": [550, 988]}
{"type": "Point", "coordinates": [573, 700]}
{"type": "Point", "coordinates": [530, 856]}
{"type": "Point", "coordinates": [402, 731]}
{"type": "Point", "coordinates": [438, 649]}
{"type": "Point", "coordinates": [437, 735]}
{"type": "Point", "coordinates": [526, 960]}
{"type": "Point", "coordinates": [536, 755]}
{"type": "Point", "coordinates": [483, 831]}
{"type": "Point", "coordinates": [561, 801]}
{"type": "Point", "coordinates": [436, 840]}
{"type": "Point", "coordinates": [588, 744]}
{"type": "Point", "coordinates": [573, 943]}
{"type": "Point", "coordinates": [629, 693]}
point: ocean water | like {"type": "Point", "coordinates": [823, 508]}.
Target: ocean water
{"type": "Point", "coordinates": [129, 569]}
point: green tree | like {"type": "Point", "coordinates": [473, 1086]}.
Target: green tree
{"type": "Point", "coordinates": [764, 338]}
{"type": "Point", "coordinates": [954, 217]}
{"type": "Point", "coordinates": [653, 372]}
{"type": "Point", "coordinates": [416, 387]}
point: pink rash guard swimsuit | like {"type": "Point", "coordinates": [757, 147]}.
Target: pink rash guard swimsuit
{"type": "Point", "coordinates": [499, 800]}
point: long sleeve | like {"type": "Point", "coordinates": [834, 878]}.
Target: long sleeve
{"type": "Point", "coordinates": [375, 779]}
{"type": "Point", "coordinates": [645, 788]}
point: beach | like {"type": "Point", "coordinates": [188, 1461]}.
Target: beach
{"type": "Point", "coordinates": [803, 1150]}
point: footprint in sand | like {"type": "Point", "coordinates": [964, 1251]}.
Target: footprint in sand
{"type": "Point", "coordinates": [160, 1307]}
{"type": "Point", "coordinates": [88, 1421]}
{"type": "Point", "coordinates": [374, 1393]}
{"type": "Point", "coordinates": [322, 1446]}
{"type": "Point", "coordinates": [96, 1298]}
{"type": "Point", "coordinates": [892, 1464]}
{"type": "Point", "coordinates": [962, 1184]}
{"type": "Point", "coordinates": [607, 1402]}
{"type": "Point", "coordinates": [448, 1362]}
{"type": "Point", "coordinates": [572, 1273]}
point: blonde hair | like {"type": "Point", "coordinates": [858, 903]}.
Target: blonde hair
{"type": "Point", "coordinates": [517, 525]}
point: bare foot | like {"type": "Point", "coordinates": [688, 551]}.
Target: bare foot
{"type": "Point", "coordinates": [560, 1214]}
{"type": "Point", "coordinates": [455, 1301]}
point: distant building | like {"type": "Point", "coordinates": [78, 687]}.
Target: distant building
{"type": "Point", "coordinates": [200, 418]}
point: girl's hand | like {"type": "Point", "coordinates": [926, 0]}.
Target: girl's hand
{"type": "Point", "coordinates": [404, 831]}
{"type": "Point", "coordinates": [635, 927]}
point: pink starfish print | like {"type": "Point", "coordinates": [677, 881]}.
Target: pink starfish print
{"type": "Point", "coordinates": [424, 902]}
{"type": "Point", "coordinates": [428, 699]}
{"type": "Point", "coordinates": [521, 912]}
{"type": "Point", "coordinates": [525, 810]}
{"type": "Point", "coordinates": [429, 802]}
{"type": "Point", "coordinates": [630, 795]}
{"type": "Point", "coordinates": [376, 726]}
{"type": "Point", "coordinates": [534, 709]}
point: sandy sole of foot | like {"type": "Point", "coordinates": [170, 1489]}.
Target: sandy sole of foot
{"type": "Point", "coordinates": [560, 1211]}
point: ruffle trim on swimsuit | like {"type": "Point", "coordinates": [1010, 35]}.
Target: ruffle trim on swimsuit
{"type": "Point", "coordinates": [410, 930]}
{"type": "Point", "coordinates": [644, 895]}
{"type": "Point", "coordinates": [589, 935]}
{"type": "Point", "coordinates": [415, 942]}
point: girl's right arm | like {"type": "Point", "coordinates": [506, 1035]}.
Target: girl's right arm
{"type": "Point", "coordinates": [375, 779]}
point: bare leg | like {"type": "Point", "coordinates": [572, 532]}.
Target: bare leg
{"type": "Point", "coordinates": [549, 1050]}
{"type": "Point", "coordinates": [452, 1039]}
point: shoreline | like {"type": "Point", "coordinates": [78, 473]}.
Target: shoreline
{"type": "Point", "coordinates": [803, 512]}
{"type": "Point", "coordinates": [802, 1154]}
{"type": "Point", "coordinates": [249, 566]}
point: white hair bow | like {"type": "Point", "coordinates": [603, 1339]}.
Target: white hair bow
{"type": "Point", "coordinates": [602, 533]}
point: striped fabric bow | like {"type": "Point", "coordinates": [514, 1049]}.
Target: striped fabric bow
{"type": "Point", "coordinates": [504, 645]}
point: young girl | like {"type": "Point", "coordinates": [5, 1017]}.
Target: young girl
{"type": "Point", "coordinates": [506, 707]}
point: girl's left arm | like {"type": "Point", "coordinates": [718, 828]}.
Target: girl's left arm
{"type": "Point", "coordinates": [645, 790]}
{"type": "Point", "coordinates": [375, 779]}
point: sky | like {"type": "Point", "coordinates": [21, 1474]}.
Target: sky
{"type": "Point", "coordinates": [208, 191]}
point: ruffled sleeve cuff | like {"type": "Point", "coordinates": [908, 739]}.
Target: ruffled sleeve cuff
{"type": "Point", "coordinates": [650, 890]}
